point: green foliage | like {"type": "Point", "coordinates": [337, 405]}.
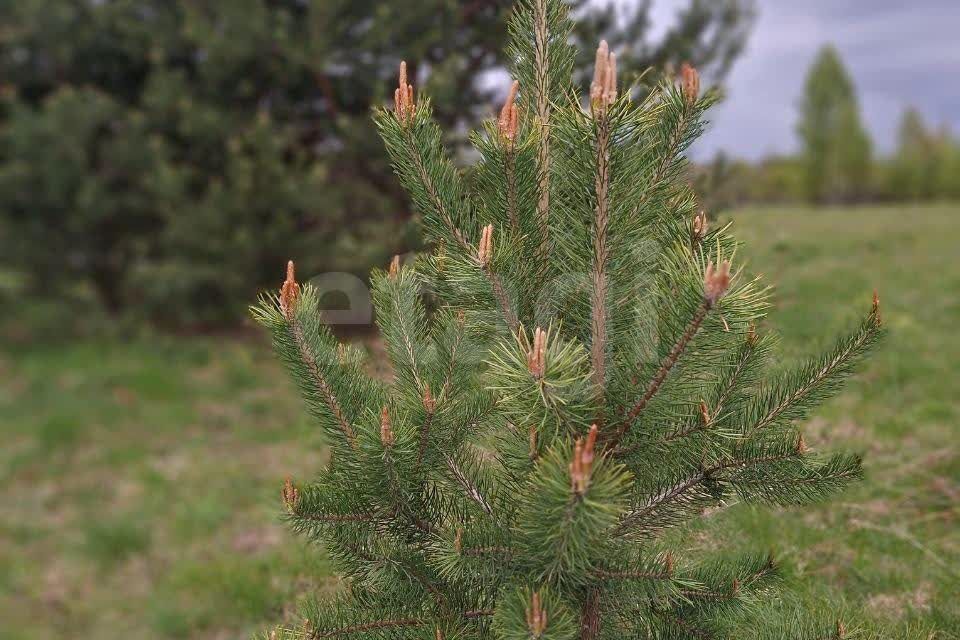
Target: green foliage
{"type": "Point", "coordinates": [836, 147]}
{"type": "Point", "coordinates": [470, 498]}
{"type": "Point", "coordinates": [169, 154]}
{"type": "Point", "coordinates": [924, 166]}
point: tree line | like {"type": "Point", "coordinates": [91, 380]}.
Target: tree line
{"type": "Point", "coordinates": [836, 163]}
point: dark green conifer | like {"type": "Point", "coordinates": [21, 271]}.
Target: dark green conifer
{"type": "Point", "coordinates": [589, 380]}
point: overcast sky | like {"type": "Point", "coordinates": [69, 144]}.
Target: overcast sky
{"type": "Point", "coordinates": [899, 52]}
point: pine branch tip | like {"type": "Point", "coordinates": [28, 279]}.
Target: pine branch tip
{"type": "Point", "coordinates": [603, 89]}
{"type": "Point", "coordinates": [716, 281]}
{"type": "Point", "coordinates": [290, 495]}
{"type": "Point", "coordinates": [507, 123]}
{"type": "Point", "coordinates": [485, 248]}
{"type": "Point", "coordinates": [429, 403]}
{"type": "Point", "coordinates": [536, 355]}
{"type": "Point", "coordinates": [698, 228]}
{"type": "Point", "coordinates": [536, 616]}
{"type": "Point", "coordinates": [690, 82]}
{"type": "Point", "coordinates": [289, 292]}
{"type": "Point", "coordinates": [394, 268]}
{"type": "Point", "coordinates": [387, 437]}
{"type": "Point", "coordinates": [404, 106]}
{"type": "Point", "coordinates": [704, 413]}
{"type": "Point", "coordinates": [581, 467]}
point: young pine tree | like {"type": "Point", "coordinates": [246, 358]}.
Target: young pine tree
{"type": "Point", "coordinates": [589, 380]}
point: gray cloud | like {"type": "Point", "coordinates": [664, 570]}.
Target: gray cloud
{"type": "Point", "coordinates": [899, 54]}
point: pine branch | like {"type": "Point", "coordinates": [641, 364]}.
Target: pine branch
{"type": "Point", "coordinates": [598, 302]}
{"type": "Point", "coordinates": [471, 491]}
{"type": "Point", "coordinates": [684, 109]}
{"type": "Point", "coordinates": [377, 625]}
{"type": "Point", "coordinates": [413, 151]}
{"type": "Point", "coordinates": [414, 143]}
{"type": "Point", "coordinates": [709, 594]}
{"type": "Point", "coordinates": [590, 616]}
{"type": "Point", "coordinates": [542, 92]}
{"type": "Point", "coordinates": [689, 628]}
{"type": "Point", "coordinates": [510, 178]}
{"type": "Point", "coordinates": [543, 63]}
{"type": "Point", "coordinates": [293, 319]}
{"type": "Point", "coordinates": [652, 504]}
{"type": "Point", "coordinates": [663, 371]}
{"type": "Point", "coordinates": [817, 380]}
{"type": "Point", "coordinates": [603, 574]}
{"type": "Point", "coordinates": [456, 324]}
{"type": "Point", "coordinates": [402, 321]}
{"type": "Point", "coordinates": [486, 551]}
{"type": "Point", "coordinates": [424, 436]}
{"type": "Point", "coordinates": [398, 495]}
{"type": "Point", "coordinates": [334, 518]}
{"type": "Point", "coordinates": [731, 379]}
{"type": "Point", "coordinates": [500, 294]}
{"type": "Point", "coordinates": [323, 387]}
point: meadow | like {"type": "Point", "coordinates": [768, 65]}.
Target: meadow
{"type": "Point", "coordinates": [140, 476]}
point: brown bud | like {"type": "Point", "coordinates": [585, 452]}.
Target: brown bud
{"type": "Point", "coordinates": [394, 268]}
{"type": "Point", "coordinates": [429, 403]}
{"type": "Point", "coordinates": [603, 89]}
{"type": "Point", "coordinates": [801, 445]}
{"type": "Point", "coordinates": [581, 466]}
{"type": "Point", "coordinates": [536, 356]}
{"type": "Point", "coordinates": [536, 616]}
{"type": "Point", "coordinates": [668, 563]}
{"type": "Point", "coordinates": [841, 630]}
{"type": "Point", "coordinates": [735, 588]}
{"type": "Point", "coordinates": [458, 540]}
{"type": "Point", "coordinates": [507, 123]}
{"type": "Point", "coordinates": [704, 413]}
{"type": "Point", "coordinates": [386, 429]}
{"type": "Point", "coordinates": [485, 250]}
{"type": "Point", "coordinates": [576, 466]}
{"type": "Point", "coordinates": [698, 228]}
{"type": "Point", "coordinates": [289, 292]}
{"type": "Point", "coordinates": [690, 81]}
{"type": "Point", "coordinates": [291, 497]}
{"type": "Point", "coordinates": [438, 635]}
{"type": "Point", "coordinates": [403, 97]}
{"type": "Point", "coordinates": [588, 448]}
{"type": "Point", "coordinates": [876, 307]}
{"type": "Point", "coordinates": [716, 281]}
{"type": "Point", "coordinates": [341, 353]}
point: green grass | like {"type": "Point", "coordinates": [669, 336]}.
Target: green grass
{"type": "Point", "coordinates": [139, 477]}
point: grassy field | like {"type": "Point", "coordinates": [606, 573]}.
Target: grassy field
{"type": "Point", "coordinates": [139, 478]}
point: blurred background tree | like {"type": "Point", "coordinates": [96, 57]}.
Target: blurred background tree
{"type": "Point", "coordinates": [836, 147]}
{"type": "Point", "coordinates": [168, 155]}
{"type": "Point", "coordinates": [926, 165]}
